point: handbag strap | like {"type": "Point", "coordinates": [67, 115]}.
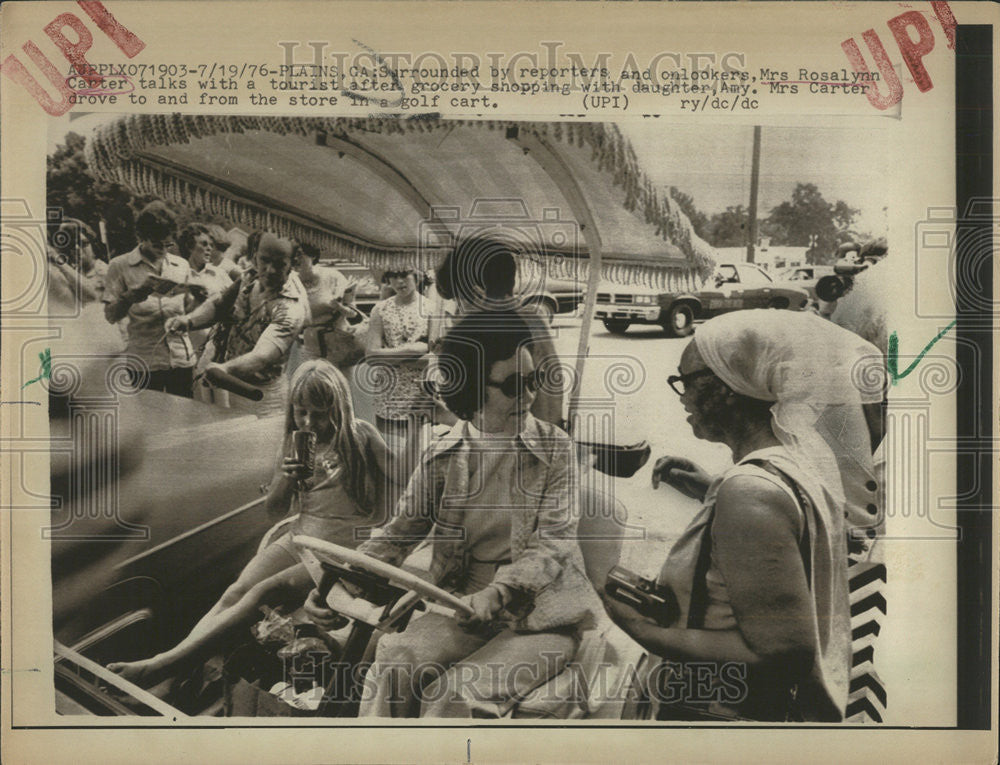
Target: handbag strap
{"type": "Point", "coordinates": [698, 607]}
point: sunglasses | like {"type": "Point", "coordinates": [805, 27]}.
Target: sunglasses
{"type": "Point", "coordinates": [516, 385]}
{"type": "Point", "coordinates": [679, 382]}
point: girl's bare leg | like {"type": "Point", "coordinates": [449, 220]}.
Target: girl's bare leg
{"type": "Point", "coordinates": [237, 607]}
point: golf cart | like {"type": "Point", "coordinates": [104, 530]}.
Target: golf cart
{"type": "Point", "coordinates": [571, 199]}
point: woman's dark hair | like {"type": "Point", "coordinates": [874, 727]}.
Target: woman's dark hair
{"type": "Point", "coordinates": [185, 242]}
{"type": "Point", "coordinates": [468, 353]}
{"type": "Point", "coordinates": [477, 264]}
{"type": "Point", "coordinates": [310, 251]}
{"type": "Point", "coordinates": [390, 272]}
{"type": "Point", "coordinates": [420, 279]}
{"type": "Point", "coordinates": [723, 410]}
{"type": "Point", "coordinates": [155, 223]}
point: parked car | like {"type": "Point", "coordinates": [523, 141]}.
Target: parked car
{"type": "Point", "coordinates": [806, 277]}
{"type": "Point", "coordinates": [148, 527]}
{"type": "Point", "coordinates": [553, 296]}
{"type": "Point", "coordinates": [733, 287]}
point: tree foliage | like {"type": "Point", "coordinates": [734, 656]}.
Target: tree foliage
{"type": "Point", "coordinates": [730, 228]}
{"type": "Point", "coordinates": [808, 220]}
{"type": "Point", "coordinates": [805, 220]}
{"type": "Point", "coordinates": [71, 187]}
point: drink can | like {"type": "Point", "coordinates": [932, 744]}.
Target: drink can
{"type": "Point", "coordinates": [304, 449]}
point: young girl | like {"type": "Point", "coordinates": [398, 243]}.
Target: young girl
{"type": "Point", "coordinates": [342, 494]}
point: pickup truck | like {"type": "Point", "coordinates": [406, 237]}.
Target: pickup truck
{"type": "Point", "coordinates": [733, 287]}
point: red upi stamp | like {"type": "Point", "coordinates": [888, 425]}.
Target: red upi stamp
{"type": "Point", "coordinates": [68, 89]}
{"type": "Point", "coordinates": [912, 50]}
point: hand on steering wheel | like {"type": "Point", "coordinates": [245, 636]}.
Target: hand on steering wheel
{"type": "Point", "coordinates": [332, 553]}
{"type": "Point", "coordinates": [319, 613]}
{"type": "Point", "coordinates": [485, 604]}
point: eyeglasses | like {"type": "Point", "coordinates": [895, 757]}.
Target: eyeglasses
{"type": "Point", "coordinates": [516, 384]}
{"type": "Point", "coordinates": [679, 382]}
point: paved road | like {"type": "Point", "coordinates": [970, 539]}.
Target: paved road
{"type": "Point", "coordinates": [624, 392]}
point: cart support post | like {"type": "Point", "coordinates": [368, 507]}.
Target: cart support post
{"type": "Point", "coordinates": [552, 163]}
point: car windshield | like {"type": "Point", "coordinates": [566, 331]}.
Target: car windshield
{"type": "Point", "coordinates": [752, 275]}
{"type": "Point", "coordinates": [738, 274]}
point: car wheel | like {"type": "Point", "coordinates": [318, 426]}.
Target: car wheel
{"type": "Point", "coordinates": [680, 320]}
{"type": "Point", "coordinates": [778, 303]}
{"type": "Point", "coordinates": [616, 326]}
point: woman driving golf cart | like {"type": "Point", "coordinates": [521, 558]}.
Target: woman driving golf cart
{"type": "Point", "coordinates": [498, 497]}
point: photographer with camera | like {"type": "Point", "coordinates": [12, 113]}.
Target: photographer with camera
{"type": "Point", "coordinates": [264, 311]}
{"type": "Point", "coordinates": [852, 259]}
{"type": "Point", "coordinates": [760, 573]}
{"type": "Point", "coordinates": [144, 285]}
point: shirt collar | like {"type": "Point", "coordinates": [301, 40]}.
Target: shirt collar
{"type": "Point", "coordinates": [530, 436]}
{"type": "Point", "coordinates": [293, 287]}
{"type": "Point", "coordinates": [135, 257]}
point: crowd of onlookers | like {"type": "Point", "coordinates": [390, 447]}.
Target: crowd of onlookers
{"type": "Point", "coordinates": [198, 304]}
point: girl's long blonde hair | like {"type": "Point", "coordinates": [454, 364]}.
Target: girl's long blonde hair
{"type": "Point", "coordinates": [318, 384]}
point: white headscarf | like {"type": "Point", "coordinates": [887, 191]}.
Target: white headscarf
{"type": "Point", "coordinates": [817, 374]}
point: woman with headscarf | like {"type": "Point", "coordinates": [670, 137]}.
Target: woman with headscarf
{"type": "Point", "coordinates": [760, 574]}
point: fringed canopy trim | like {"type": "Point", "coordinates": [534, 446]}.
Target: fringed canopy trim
{"type": "Point", "coordinates": [115, 153]}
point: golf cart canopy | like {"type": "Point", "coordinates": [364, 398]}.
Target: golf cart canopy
{"type": "Point", "coordinates": [391, 192]}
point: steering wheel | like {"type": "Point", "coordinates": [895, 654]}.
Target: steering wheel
{"type": "Point", "coordinates": [337, 555]}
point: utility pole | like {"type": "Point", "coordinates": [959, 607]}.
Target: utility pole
{"type": "Point", "coordinates": [754, 181]}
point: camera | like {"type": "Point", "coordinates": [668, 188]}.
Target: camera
{"type": "Point", "coordinates": [644, 595]}
{"type": "Point", "coordinates": [841, 281]}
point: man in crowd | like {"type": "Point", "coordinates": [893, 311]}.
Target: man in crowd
{"type": "Point", "coordinates": [146, 285]}
{"type": "Point", "coordinates": [265, 312]}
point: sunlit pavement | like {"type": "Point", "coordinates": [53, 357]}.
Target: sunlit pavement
{"type": "Point", "coordinates": [625, 375]}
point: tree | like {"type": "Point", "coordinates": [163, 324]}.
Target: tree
{"type": "Point", "coordinates": [71, 187]}
{"type": "Point", "coordinates": [699, 221]}
{"type": "Point", "coordinates": [729, 228]}
{"type": "Point", "coordinates": [808, 220]}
